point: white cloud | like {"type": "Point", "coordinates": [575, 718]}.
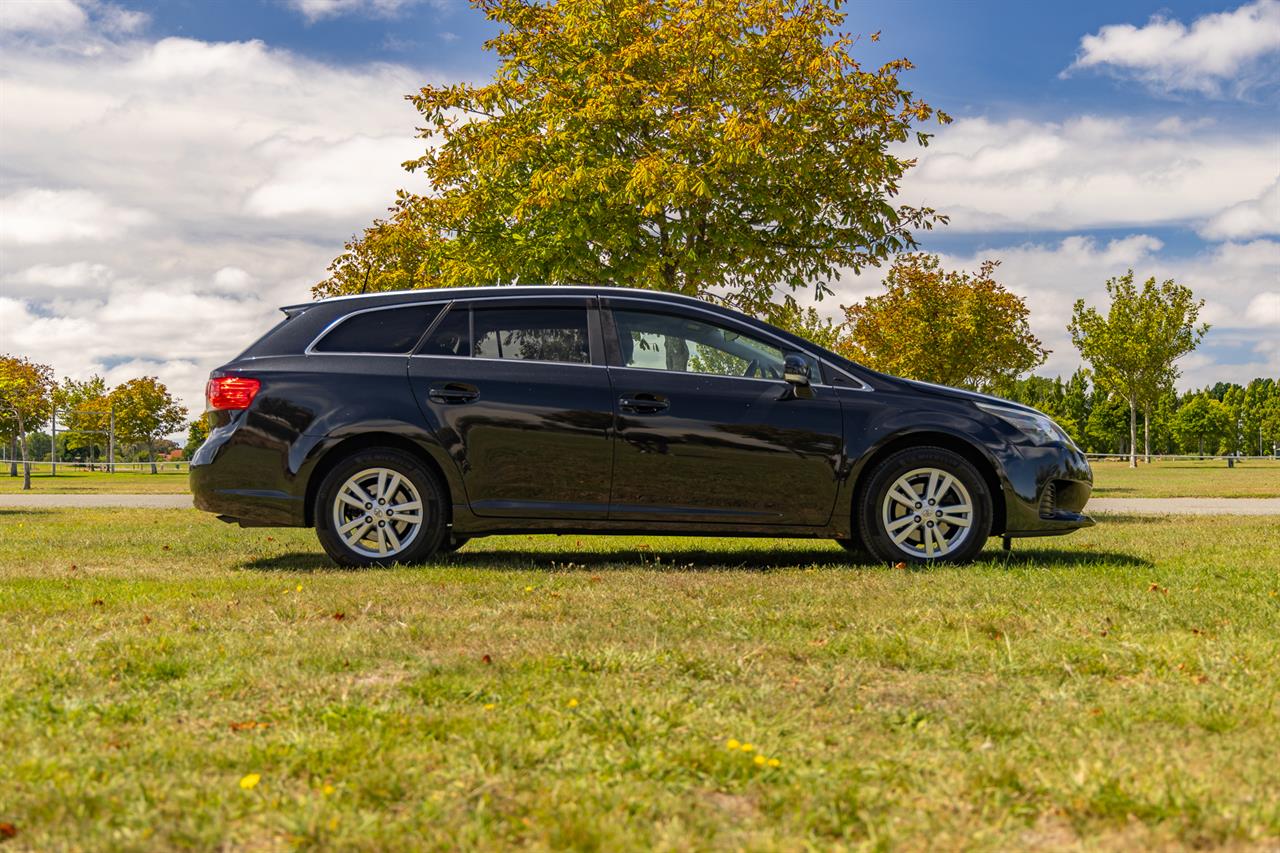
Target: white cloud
{"type": "Point", "coordinates": [331, 180]}
{"type": "Point", "coordinates": [315, 10]}
{"type": "Point", "coordinates": [1218, 52]}
{"type": "Point", "coordinates": [162, 197]}
{"type": "Point", "coordinates": [1264, 310]}
{"type": "Point", "coordinates": [1236, 281]}
{"type": "Point", "coordinates": [1088, 172]}
{"type": "Point", "coordinates": [60, 17]}
{"type": "Point", "coordinates": [40, 16]}
{"type": "Point", "coordinates": [1253, 218]}
{"type": "Point", "coordinates": [59, 216]}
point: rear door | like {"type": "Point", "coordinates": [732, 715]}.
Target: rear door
{"type": "Point", "coordinates": [517, 390]}
{"type": "Point", "coordinates": [707, 430]}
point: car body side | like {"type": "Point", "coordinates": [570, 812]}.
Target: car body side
{"type": "Point", "coordinates": [315, 409]}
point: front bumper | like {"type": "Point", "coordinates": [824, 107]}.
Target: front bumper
{"type": "Point", "coordinates": [1046, 489]}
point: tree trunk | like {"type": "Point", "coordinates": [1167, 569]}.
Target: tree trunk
{"type": "Point", "coordinates": [26, 463]}
{"type": "Point", "coordinates": [13, 458]}
{"type": "Point", "coordinates": [1133, 434]}
{"type": "Point", "coordinates": [151, 452]}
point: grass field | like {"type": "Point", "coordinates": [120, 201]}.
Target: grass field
{"type": "Point", "coordinates": [69, 482]}
{"type": "Point", "coordinates": [1251, 479]}
{"type": "Point", "coordinates": [170, 681]}
{"type": "Point", "coordinates": [1254, 478]}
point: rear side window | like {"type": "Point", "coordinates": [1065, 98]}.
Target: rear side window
{"type": "Point", "coordinates": [452, 336]}
{"type": "Point", "coordinates": [387, 331]}
{"type": "Point", "coordinates": [532, 334]}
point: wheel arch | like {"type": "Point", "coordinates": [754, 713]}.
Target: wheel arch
{"type": "Point", "coordinates": [947, 441]}
{"type": "Point", "coordinates": [333, 456]}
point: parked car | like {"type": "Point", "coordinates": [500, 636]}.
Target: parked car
{"type": "Point", "coordinates": [400, 425]}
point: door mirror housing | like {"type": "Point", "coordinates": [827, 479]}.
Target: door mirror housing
{"type": "Point", "coordinates": [796, 371]}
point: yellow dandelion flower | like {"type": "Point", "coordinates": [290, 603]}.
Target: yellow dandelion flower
{"type": "Point", "coordinates": [250, 781]}
{"type": "Point", "coordinates": [773, 762]}
{"type": "Point", "coordinates": [746, 747]}
{"type": "Point", "coordinates": [333, 823]}
{"type": "Point", "coordinates": [528, 589]}
{"type": "Point", "coordinates": [731, 743]}
{"type": "Point", "coordinates": [327, 790]}
{"type": "Point", "coordinates": [573, 703]}
{"type": "Point", "coordinates": [760, 760]}
{"type": "Point", "coordinates": [299, 588]}
{"type": "Point", "coordinates": [490, 706]}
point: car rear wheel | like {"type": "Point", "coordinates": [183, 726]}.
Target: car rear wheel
{"type": "Point", "coordinates": [925, 505]}
{"type": "Point", "coordinates": [380, 507]}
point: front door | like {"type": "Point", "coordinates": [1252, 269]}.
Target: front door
{"type": "Point", "coordinates": [517, 392]}
{"type": "Point", "coordinates": [708, 431]}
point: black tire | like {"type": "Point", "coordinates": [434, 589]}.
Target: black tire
{"type": "Point", "coordinates": [430, 532]}
{"type": "Point", "coordinates": [924, 536]}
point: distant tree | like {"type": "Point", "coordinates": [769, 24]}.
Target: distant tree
{"type": "Point", "coordinates": [145, 412]}
{"type": "Point", "coordinates": [1133, 349]}
{"type": "Point", "coordinates": [726, 149]}
{"type": "Point", "coordinates": [1269, 423]}
{"type": "Point", "coordinates": [1077, 402]}
{"type": "Point", "coordinates": [26, 397]}
{"type": "Point", "coordinates": [84, 413]}
{"type": "Point", "coordinates": [196, 434]}
{"type": "Point", "coordinates": [805, 322]}
{"type": "Point", "coordinates": [950, 328]}
{"type": "Point", "coordinates": [1200, 420]}
{"type": "Point", "coordinates": [1106, 429]}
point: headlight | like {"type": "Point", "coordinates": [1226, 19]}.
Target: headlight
{"type": "Point", "coordinates": [1037, 427]}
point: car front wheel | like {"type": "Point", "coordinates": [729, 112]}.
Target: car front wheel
{"type": "Point", "coordinates": [380, 507]}
{"type": "Point", "coordinates": [925, 505]}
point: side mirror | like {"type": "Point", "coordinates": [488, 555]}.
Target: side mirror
{"type": "Point", "coordinates": [795, 370]}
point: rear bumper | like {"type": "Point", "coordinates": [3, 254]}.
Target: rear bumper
{"type": "Point", "coordinates": [239, 478]}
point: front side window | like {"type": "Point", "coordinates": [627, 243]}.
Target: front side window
{"type": "Point", "coordinates": [669, 342]}
{"type": "Point", "coordinates": [532, 334]}
{"type": "Point", "coordinates": [385, 331]}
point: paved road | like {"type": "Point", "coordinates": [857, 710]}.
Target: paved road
{"type": "Point", "coordinates": [1132, 506]}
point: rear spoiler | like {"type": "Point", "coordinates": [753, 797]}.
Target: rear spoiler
{"type": "Point", "coordinates": [292, 311]}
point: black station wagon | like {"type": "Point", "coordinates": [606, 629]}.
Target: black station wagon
{"type": "Point", "coordinates": [400, 425]}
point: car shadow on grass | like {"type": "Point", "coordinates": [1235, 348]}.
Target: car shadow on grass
{"type": "Point", "coordinates": [694, 560]}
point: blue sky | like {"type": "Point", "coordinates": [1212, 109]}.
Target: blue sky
{"type": "Point", "coordinates": [172, 171]}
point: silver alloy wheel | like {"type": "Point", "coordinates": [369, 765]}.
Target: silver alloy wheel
{"type": "Point", "coordinates": [927, 513]}
{"type": "Point", "coordinates": [378, 512]}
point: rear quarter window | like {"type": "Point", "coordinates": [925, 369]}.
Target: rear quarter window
{"type": "Point", "coordinates": [383, 331]}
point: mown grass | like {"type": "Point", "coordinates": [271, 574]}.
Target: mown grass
{"type": "Point", "coordinates": [70, 482]}
{"type": "Point", "coordinates": [1253, 478]}
{"type": "Point", "coordinates": [1113, 479]}
{"type": "Point", "coordinates": [1116, 689]}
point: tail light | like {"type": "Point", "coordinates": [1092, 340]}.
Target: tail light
{"type": "Point", "coordinates": [228, 393]}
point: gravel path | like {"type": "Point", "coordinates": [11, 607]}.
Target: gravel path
{"type": "Point", "coordinates": [1130, 506]}
{"type": "Point", "coordinates": [1184, 506]}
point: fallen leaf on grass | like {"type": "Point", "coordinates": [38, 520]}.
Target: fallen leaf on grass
{"type": "Point", "coordinates": [249, 725]}
{"type": "Point", "coordinates": [7, 830]}
{"type": "Point", "coordinates": [164, 548]}
{"type": "Point", "coordinates": [98, 602]}
{"type": "Point", "coordinates": [339, 615]}
{"type": "Point", "coordinates": [146, 620]}
{"type": "Point", "coordinates": [899, 565]}
{"type": "Point", "coordinates": [486, 659]}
